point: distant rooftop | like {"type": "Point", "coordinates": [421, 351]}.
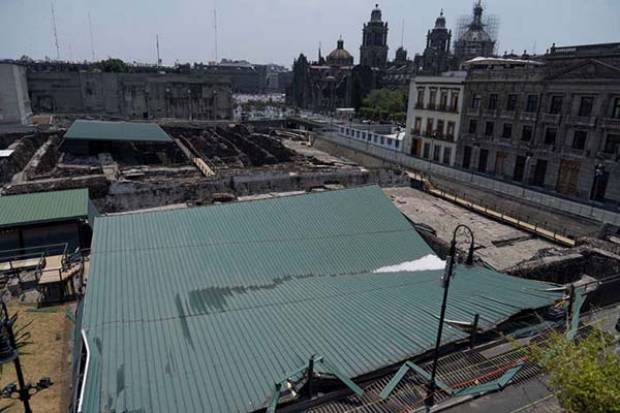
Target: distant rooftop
{"type": "Point", "coordinates": [96, 130]}
{"type": "Point", "coordinates": [204, 309]}
{"type": "Point", "coordinates": [584, 50]}
{"type": "Point", "coordinates": [500, 61]}
{"type": "Point", "coordinates": [42, 207]}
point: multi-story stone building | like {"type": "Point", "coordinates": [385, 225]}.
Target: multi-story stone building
{"type": "Point", "coordinates": [132, 95]}
{"type": "Point", "coordinates": [552, 122]}
{"type": "Point", "coordinates": [434, 116]}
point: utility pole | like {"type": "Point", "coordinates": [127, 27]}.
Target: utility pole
{"type": "Point", "coordinates": [92, 42]}
{"type": "Point", "coordinates": [157, 47]}
{"type": "Point", "coordinates": [55, 33]}
{"type": "Point", "coordinates": [215, 32]}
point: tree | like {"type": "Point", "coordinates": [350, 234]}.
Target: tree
{"type": "Point", "coordinates": [385, 104]}
{"type": "Point", "coordinates": [583, 374]}
{"type": "Point", "coordinates": [112, 65]}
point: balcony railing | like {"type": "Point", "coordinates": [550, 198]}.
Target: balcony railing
{"type": "Point", "coordinates": [610, 123]}
{"type": "Point", "coordinates": [528, 116]}
{"type": "Point", "coordinates": [552, 118]}
{"type": "Point", "coordinates": [431, 106]}
{"type": "Point", "coordinates": [507, 114]}
{"type": "Point", "coordinates": [584, 121]}
{"type": "Point", "coordinates": [419, 105]}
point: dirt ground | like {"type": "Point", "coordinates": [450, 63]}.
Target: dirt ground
{"type": "Point", "coordinates": [47, 356]}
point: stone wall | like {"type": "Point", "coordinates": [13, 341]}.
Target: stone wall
{"type": "Point", "coordinates": [23, 150]}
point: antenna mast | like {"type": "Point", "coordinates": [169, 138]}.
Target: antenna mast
{"type": "Point", "coordinates": [55, 33]}
{"type": "Point", "coordinates": [402, 35]}
{"type": "Point", "coordinates": [215, 32]}
{"type": "Point", "coordinates": [157, 47]}
{"type": "Point", "coordinates": [92, 42]}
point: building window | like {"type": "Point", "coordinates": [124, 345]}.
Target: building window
{"type": "Point", "coordinates": [431, 99]}
{"type": "Point", "coordinates": [550, 136]}
{"type": "Point", "coordinates": [455, 102]}
{"type": "Point", "coordinates": [429, 127]}
{"type": "Point", "coordinates": [539, 173]}
{"type": "Point", "coordinates": [488, 129]}
{"type": "Point", "coordinates": [579, 139]}
{"type": "Point", "coordinates": [585, 106]}
{"type": "Point", "coordinates": [475, 101]}
{"type": "Point", "coordinates": [519, 170]}
{"type": "Point", "coordinates": [532, 103]}
{"type": "Point", "coordinates": [437, 153]}
{"type": "Point", "coordinates": [556, 105]}
{"type": "Point", "coordinates": [443, 103]}
{"type": "Point", "coordinates": [612, 144]}
{"type": "Point", "coordinates": [507, 131]}
{"type": "Point", "coordinates": [440, 127]}
{"type": "Point", "coordinates": [493, 101]}
{"type": "Point", "coordinates": [511, 103]}
{"type": "Point", "coordinates": [473, 126]}
{"type": "Point", "coordinates": [427, 150]}
{"type": "Point", "coordinates": [447, 154]}
{"type": "Point", "coordinates": [482, 160]}
{"type": "Point", "coordinates": [526, 133]}
{"type": "Point", "coordinates": [417, 126]}
{"type": "Point", "coordinates": [396, 144]}
{"type": "Point", "coordinates": [382, 140]}
{"type": "Point", "coordinates": [466, 157]}
{"type": "Point", "coordinates": [450, 131]}
{"type": "Point", "coordinates": [615, 110]}
{"type": "Point", "coordinates": [420, 101]}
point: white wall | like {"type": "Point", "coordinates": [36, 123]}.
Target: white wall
{"type": "Point", "coordinates": [14, 100]}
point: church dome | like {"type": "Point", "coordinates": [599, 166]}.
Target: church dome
{"type": "Point", "coordinates": [340, 56]}
{"type": "Point", "coordinates": [476, 36]}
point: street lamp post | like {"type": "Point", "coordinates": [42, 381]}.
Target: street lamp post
{"type": "Point", "coordinates": [445, 283]}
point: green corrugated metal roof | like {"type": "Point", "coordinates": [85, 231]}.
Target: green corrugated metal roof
{"type": "Point", "coordinates": [204, 309]}
{"type": "Point", "coordinates": [116, 131]}
{"type": "Point", "coordinates": [16, 210]}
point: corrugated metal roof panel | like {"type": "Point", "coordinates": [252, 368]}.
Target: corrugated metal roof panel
{"type": "Point", "coordinates": [41, 207]}
{"type": "Point", "coordinates": [116, 131]}
{"type": "Point", "coordinates": [205, 309]}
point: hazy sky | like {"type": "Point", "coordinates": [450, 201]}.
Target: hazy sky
{"type": "Point", "coordinates": [264, 31]}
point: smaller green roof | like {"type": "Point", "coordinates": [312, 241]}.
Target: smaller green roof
{"type": "Point", "coordinates": [116, 131]}
{"type": "Point", "coordinates": [40, 207]}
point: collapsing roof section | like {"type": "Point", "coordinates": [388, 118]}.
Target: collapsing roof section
{"type": "Point", "coordinates": [205, 309]}
{"type": "Point", "coordinates": [95, 130]}
{"type": "Point", "coordinates": [44, 207]}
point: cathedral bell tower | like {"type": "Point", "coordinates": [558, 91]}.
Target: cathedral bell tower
{"type": "Point", "coordinates": [374, 49]}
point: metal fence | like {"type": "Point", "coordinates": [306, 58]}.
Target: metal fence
{"type": "Point", "coordinates": [430, 168]}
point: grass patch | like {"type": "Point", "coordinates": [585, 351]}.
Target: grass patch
{"type": "Point", "coordinates": [47, 356]}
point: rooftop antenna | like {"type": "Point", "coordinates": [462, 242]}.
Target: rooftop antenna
{"type": "Point", "coordinates": [402, 35]}
{"type": "Point", "coordinates": [55, 33]}
{"type": "Point", "coordinates": [92, 42]}
{"type": "Point", "coordinates": [157, 47]}
{"type": "Point", "coordinates": [215, 32]}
